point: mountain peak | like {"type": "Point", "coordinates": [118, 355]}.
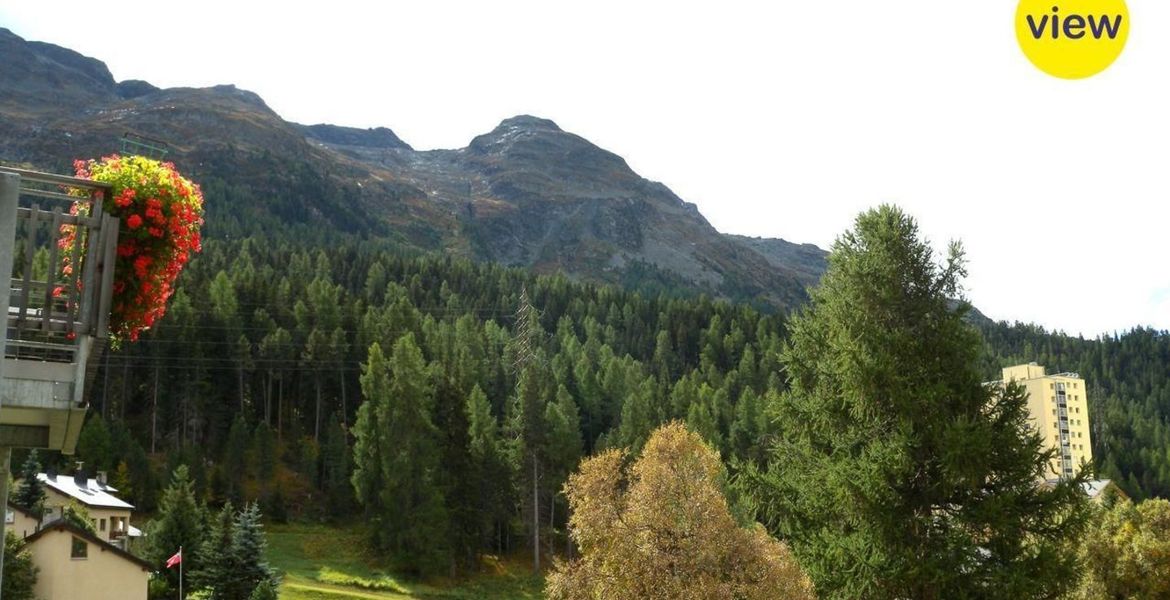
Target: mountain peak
{"type": "Point", "coordinates": [528, 122]}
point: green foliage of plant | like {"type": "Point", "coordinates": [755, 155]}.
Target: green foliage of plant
{"type": "Point", "coordinates": [1126, 552]}
{"type": "Point", "coordinates": [20, 574]}
{"type": "Point", "coordinates": [77, 515]}
{"type": "Point", "coordinates": [328, 575]}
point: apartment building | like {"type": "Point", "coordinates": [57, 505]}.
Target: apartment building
{"type": "Point", "coordinates": [1060, 412]}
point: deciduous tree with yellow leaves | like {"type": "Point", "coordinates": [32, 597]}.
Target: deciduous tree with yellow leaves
{"type": "Point", "coordinates": [661, 528]}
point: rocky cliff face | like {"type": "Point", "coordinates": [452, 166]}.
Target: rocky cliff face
{"type": "Point", "coordinates": [526, 193]}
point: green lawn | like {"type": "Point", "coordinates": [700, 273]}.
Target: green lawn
{"type": "Point", "coordinates": [321, 562]}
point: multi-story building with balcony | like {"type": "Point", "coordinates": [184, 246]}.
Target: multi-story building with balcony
{"type": "Point", "coordinates": [1060, 413]}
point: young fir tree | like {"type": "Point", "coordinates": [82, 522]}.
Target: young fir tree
{"type": "Point", "coordinates": [215, 555]}
{"type": "Point", "coordinates": [30, 494]}
{"type": "Point", "coordinates": [898, 473]}
{"type": "Point", "coordinates": [247, 566]}
{"type": "Point", "coordinates": [179, 524]}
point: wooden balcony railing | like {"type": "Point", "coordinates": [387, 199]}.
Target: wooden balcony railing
{"type": "Point", "coordinates": [56, 305]}
{"type": "Point", "coordinates": [51, 309]}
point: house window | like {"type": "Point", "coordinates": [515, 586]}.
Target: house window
{"type": "Point", "coordinates": [80, 549]}
{"type": "Point", "coordinates": [102, 527]}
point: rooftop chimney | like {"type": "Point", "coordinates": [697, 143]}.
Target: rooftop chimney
{"type": "Point", "coordinates": [101, 479]}
{"type": "Point", "coordinates": [79, 477]}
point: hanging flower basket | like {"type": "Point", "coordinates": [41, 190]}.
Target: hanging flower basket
{"type": "Point", "coordinates": [161, 213]}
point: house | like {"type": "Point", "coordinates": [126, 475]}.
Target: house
{"type": "Point", "coordinates": [110, 514]}
{"type": "Point", "coordinates": [74, 564]}
{"type": "Point", "coordinates": [21, 521]}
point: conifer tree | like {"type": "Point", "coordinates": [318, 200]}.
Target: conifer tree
{"type": "Point", "coordinates": [898, 473]}
{"type": "Point", "coordinates": [264, 453]}
{"type": "Point", "coordinates": [235, 458]}
{"type": "Point", "coordinates": [367, 449]}
{"type": "Point", "coordinates": [215, 554]}
{"type": "Point", "coordinates": [247, 565]}
{"type": "Point", "coordinates": [335, 469]}
{"type": "Point", "coordinates": [31, 492]}
{"type": "Point", "coordinates": [528, 435]}
{"type": "Point", "coordinates": [397, 459]}
{"type": "Point", "coordinates": [94, 445]}
{"type": "Point", "coordinates": [491, 473]}
{"type": "Point", "coordinates": [458, 470]}
{"type": "Point", "coordinates": [179, 524]}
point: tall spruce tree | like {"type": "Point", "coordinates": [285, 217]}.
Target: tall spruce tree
{"type": "Point", "coordinates": [491, 473]}
{"type": "Point", "coordinates": [397, 471]}
{"type": "Point", "coordinates": [335, 469]}
{"type": "Point", "coordinates": [898, 473]}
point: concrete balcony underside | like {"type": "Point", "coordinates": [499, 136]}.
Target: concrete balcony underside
{"type": "Point", "coordinates": [41, 404]}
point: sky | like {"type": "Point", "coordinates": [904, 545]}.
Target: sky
{"type": "Point", "coordinates": [778, 119]}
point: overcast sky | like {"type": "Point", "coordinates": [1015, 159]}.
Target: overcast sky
{"type": "Point", "coordinates": [778, 119]}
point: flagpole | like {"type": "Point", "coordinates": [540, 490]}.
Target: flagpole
{"type": "Point", "coordinates": [180, 573]}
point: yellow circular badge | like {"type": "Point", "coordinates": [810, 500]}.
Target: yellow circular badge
{"type": "Point", "coordinates": [1072, 39]}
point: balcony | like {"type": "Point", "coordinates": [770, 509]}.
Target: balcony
{"type": "Point", "coordinates": [56, 318]}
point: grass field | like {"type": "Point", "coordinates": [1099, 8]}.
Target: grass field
{"type": "Point", "coordinates": [320, 562]}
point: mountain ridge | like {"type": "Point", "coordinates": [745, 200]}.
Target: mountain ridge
{"type": "Point", "coordinates": [527, 193]}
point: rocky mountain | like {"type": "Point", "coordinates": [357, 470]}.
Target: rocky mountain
{"type": "Point", "coordinates": [526, 193]}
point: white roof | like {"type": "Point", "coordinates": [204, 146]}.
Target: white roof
{"type": "Point", "coordinates": [1093, 488]}
{"type": "Point", "coordinates": [92, 494]}
{"type": "Point", "coordinates": [133, 531]}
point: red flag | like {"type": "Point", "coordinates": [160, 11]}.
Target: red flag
{"type": "Point", "coordinates": [176, 559]}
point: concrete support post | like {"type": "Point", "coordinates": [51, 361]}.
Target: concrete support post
{"type": "Point", "coordinates": [9, 196]}
{"type": "Point", "coordinates": [5, 458]}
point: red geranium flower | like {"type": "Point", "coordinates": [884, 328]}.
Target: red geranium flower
{"type": "Point", "coordinates": [161, 232]}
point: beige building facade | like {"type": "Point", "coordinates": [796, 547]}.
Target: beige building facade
{"type": "Point", "coordinates": [1060, 413]}
{"type": "Point", "coordinates": [20, 521]}
{"type": "Point", "coordinates": [77, 565]}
